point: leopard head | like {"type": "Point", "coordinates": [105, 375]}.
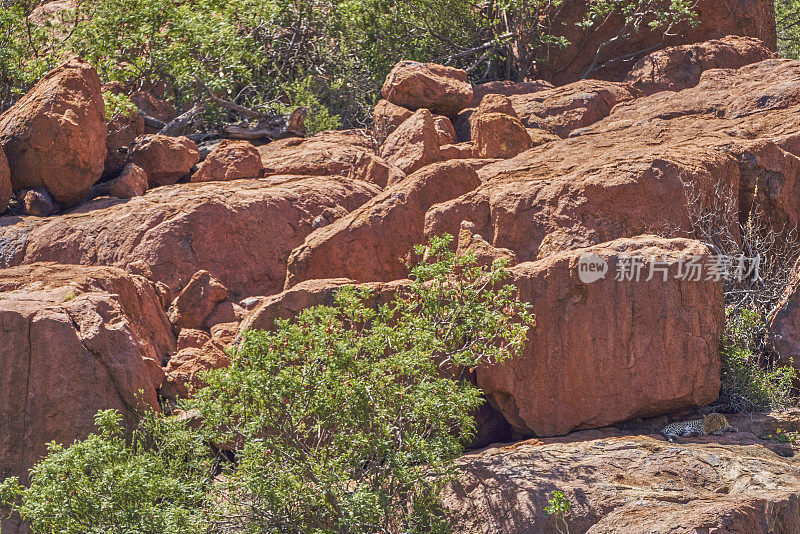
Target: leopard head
{"type": "Point", "coordinates": [713, 422]}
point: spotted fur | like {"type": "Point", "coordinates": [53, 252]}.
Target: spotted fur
{"type": "Point", "coordinates": [714, 423]}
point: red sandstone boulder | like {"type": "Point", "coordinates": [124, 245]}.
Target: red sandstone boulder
{"type": "Point", "coordinates": [485, 254]}
{"type": "Point", "coordinates": [196, 301]}
{"type": "Point", "coordinates": [611, 350]}
{"type": "Point", "coordinates": [494, 103]}
{"type": "Point", "coordinates": [457, 151]}
{"type": "Point", "coordinates": [680, 67]}
{"type": "Point", "coordinates": [497, 135]}
{"type": "Point", "coordinates": [372, 242]}
{"type": "Point", "coordinates": [241, 231]}
{"type": "Point", "coordinates": [230, 160]}
{"type": "Point", "coordinates": [632, 482]}
{"type": "Point", "coordinates": [388, 117]}
{"type": "Point", "coordinates": [564, 109]}
{"type": "Point", "coordinates": [326, 155]}
{"type": "Point", "coordinates": [37, 202]}
{"type": "Point", "coordinates": [122, 133]}
{"type": "Point", "coordinates": [153, 107]}
{"type": "Point", "coordinates": [444, 129]}
{"type": "Point", "coordinates": [540, 137]}
{"type": "Point", "coordinates": [164, 159]}
{"type": "Point", "coordinates": [185, 366]}
{"type": "Point", "coordinates": [506, 88]}
{"type": "Point", "coordinates": [54, 137]}
{"type": "Point", "coordinates": [5, 182]}
{"type": "Point", "coordinates": [441, 89]}
{"type": "Point", "coordinates": [132, 182]}
{"type": "Point", "coordinates": [414, 144]}
{"type": "Point", "coordinates": [76, 340]}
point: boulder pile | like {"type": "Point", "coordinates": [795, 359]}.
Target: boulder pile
{"type": "Point", "coordinates": [128, 264]}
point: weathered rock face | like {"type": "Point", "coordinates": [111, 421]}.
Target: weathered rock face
{"type": "Point", "coordinates": [240, 231]}
{"type": "Point", "coordinates": [718, 18]}
{"type": "Point", "coordinates": [132, 182]}
{"type": "Point", "coordinates": [784, 327]}
{"type": "Point", "coordinates": [164, 159]}
{"type": "Point", "coordinates": [371, 243]}
{"type": "Point", "coordinates": [388, 117]}
{"type": "Point", "coordinates": [564, 109]}
{"type": "Point", "coordinates": [5, 182]}
{"type": "Point", "coordinates": [55, 136]}
{"type": "Point", "coordinates": [196, 302]}
{"type": "Point", "coordinates": [153, 106]}
{"type": "Point", "coordinates": [37, 202]}
{"type": "Point", "coordinates": [623, 483]}
{"type": "Point", "coordinates": [122, 133]}
{"type": "Point", "coordinates": [629, 174]}
{"type": "Point", "coordinates": [76, 340]}
{"type": "Point", "coordinates": [608, 350]}
{"type": "Point", "coordinates": [498, 135]}
{"type": "Point", "coordinates": [230, 160]}
{"type": "Point", "coordinates": [680, 67]}
{"type": "Point", "coordinates": [444, 129]}
{"type": "Point", "coordinates": [506, 88]}
{"type": "Point", "coordinates": [326, 155]}
{"type": "Point", "coordinates": [414, 144]}
{"type": "Point", "coordinates": [443, 90]}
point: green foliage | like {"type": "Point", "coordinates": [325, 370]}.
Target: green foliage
{"type": "Point", "coordinates": [119, 104]}
{"type": "Point", "coordinates": [787, 22]}
{"type": "Point", "coordinates": [346, 419]}
{"type": "Point", "coordinates": [350, 416]}
{"type": "Point", "coordinates": [749, 380]}
{"type": "Point", "coordinates": [781, 436]}
{"type": "Point", "coordinates": [155, 481]}
{"type": "Point", "coordinates": [558, 506]}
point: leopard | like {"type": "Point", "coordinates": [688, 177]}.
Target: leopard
{"type": "Point", "coordinates": [713, 423]}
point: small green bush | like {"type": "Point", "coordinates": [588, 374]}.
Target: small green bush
{"type": "Point", "coordinates": [750, 381]}
{"type": "Point", "coordinates": [119, 104]}
{"type": "Point", "coordinates": [346, 419]}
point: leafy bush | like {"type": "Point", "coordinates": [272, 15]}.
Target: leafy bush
{"type": "Point", "coordinates": [345, 419]}
{"type": "Point", "coordinates": [558, 506]}
{"type": "Point", "coordinates": [750, 381]}
{"type": "Point", "coordinates": [269, 54]}
{"type": "Point", "coordinates": [787, 22]}
{"type": "Point", "coordinates": [152, 481]}
{"type": "Point", "coordinates": [119, 104]}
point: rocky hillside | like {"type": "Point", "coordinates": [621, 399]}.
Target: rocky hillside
{"type": "Point", "coordinates": [130, 260]}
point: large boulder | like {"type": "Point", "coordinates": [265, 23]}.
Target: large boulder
{"type": "Point", "coordinates": [196, 301]}
{"type": "Point", "coordinates": [5, 182]}
{"type": "Point", "coordinates": [55, 136]}
{"type": "Point", "coordinates": [230, 160]}
{"type": "Point", "coordinates": [76, 340]}
{"type": "Point", "coordinates": [414, 144]}
{"type": "Point", "coordinates": [633, 172]}
{"type": "Point", "coordinates": [614, 348]}
{"type": "Point", "coordinates": [633, 482]}
{"type": "Point", "coordinates": [241, 231]}
{"type": "Point", "coordinates": [680, 67]}
{"type": "Point", "coordinates": [387, 117]}
{"type": "Point", "coordinates": [497, 135]}
{"type": "Point", "coordinates": [372, 243]}
{"type": "Point", "coordinates": [506, 88]}
{"type": "Point", "coordinates": [164, 159]}
{"type": "Point", "coordinates": [328, 154]}
{"type": "Point", "coordinates": [413, 85]}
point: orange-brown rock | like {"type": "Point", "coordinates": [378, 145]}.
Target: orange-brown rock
{"type": "Point", "coordinates": [76, 339]}
{"type": "Point", "coordinates": [495, 103]}
{"type": "Point", "coordinates": [191, 338]}
{"type": "Point", "coordinates": [122, 133]}
{"type": "Point", "coordinates": [5, 182]}
{"type": "Point", "coordinates": [325, 155]}
{"type": "Point", "coordinates": [185, 366]}
{"type": "Point", "coordinates": [540, 137]}
{"type": "Point", "coordinates": [240, 231]}
{"type": "Point", "coordinates": [55, 136]}
{"type": "Point", "coordinates": [717, 18]}
{"type": "Point", "coordinates": [506, 88]}
{"type": "Point", "coordinates": [614, 348]}
{"type": "Point", "coordinates": [414, 144]}
{"type": "Point", "coordinates": [413, 85]}
{"type": "Point", "coordinates": [388, 117]}
{"type": "Point", "coordinates": [196, 301]}
{"type": "Point", "coordinates": [154, 107]}
{"type": "Point", "coordinates": [37, 202]}
{"type": "Point", "coordinates": [784, 326]}
{"type": "Point", "coordinates": [680, 67]}
{"type": "Point", "coordinates": [372, 242]}
{"type": "Point", "coordinates": [360, 138]}
{"type": "Point", "coordinates": [485, 254]}
{"type": "Point", "coordinates": [444, 129]}
{"type": "Point", "coordinates": [230, 160]}
{"type": "Point", "coordinates": [497, 135]}
{"type": "Point", "coordinates": [132, 182]}
{"type": "Point", "coordinates": [291, 302]}
{"type": "Point", "coordinates": [630, 173]}
{"type": "Point", "coordinates": [457, 151]}
{"type": "Point", "coordinates": [564, 109]}
{"type": "Point", "coordinates": [633, 481]}
{"type": "Point", "coordinates": [164, 159]}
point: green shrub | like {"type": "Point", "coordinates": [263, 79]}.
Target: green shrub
{"type": "Point", "coordinates": [787, 22]}
{"type": "Point", "coordinates": [119, 104]}
{"type": "Point", "coordinates": [346, 419]}
{"type": "Point", "coordinates": [151, 481]}
{"type": "Point", "coordinates": [750, 381]}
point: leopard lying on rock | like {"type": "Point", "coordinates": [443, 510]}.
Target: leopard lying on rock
{"type": "Point", "coordinates": [714, 423]}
